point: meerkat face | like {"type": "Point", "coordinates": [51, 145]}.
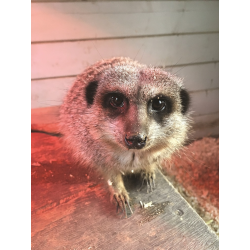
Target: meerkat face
{"type": "Point", "coordinates": [137, 108]}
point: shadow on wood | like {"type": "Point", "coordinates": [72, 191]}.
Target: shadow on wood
{"type": "Point", "coordinates": [71, 209]}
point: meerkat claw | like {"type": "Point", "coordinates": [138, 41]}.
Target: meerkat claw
{"type": "Point", "coordinates": [129, 206]}
{"type": "Point", "coordinates": [121, 204]}
{"type": "Point", "coordinates": [117, 206]}
{"type": "Point", "coordinates": [141, 186]}
{"type": "Point", "coordinates": [150, 184]}
{"type": "Point", "coordinates": [118, 203]}
{"type": "Point", "coordinates": [153, 182]}
{"type": "Point", "coordinates": [124, 208]}
{"type": "Point", "coordinates": [149, 178]}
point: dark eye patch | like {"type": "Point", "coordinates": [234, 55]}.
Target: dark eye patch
{"type": "Point", "coordinates": [117, 100]}
{"type": "Point", "coordinates": [160, 104]}
{"type": "Point", "coordinates": [91, 92]}
{"type": "Point", "coordinates": [185, 101]}
{"type": "Point", "coordinates": [115, 103]}
{"type": "Point", "coordinates": [114, 100]}
{"type": "Point", "coordinates": [159, 107]}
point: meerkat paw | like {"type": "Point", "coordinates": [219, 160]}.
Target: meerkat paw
{"type": "Point", "coordinates": [149, 177]}
{"type": "Point", "coordinates": [120, 196]}
{"type": "Point", "coordinates": [121, 201]}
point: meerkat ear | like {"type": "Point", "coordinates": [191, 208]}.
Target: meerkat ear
{"type": "Point", "coordinates": [91, 91]}
{"type": "Point", "coordinates": [185, 100]}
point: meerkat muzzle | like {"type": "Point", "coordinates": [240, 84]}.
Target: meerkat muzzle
{"type": "Point", "coordinates": [135, 142]}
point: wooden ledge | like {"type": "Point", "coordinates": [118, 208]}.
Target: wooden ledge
{"type": "Point", "coordinates": [71, 210]}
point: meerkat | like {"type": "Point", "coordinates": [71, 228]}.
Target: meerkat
{"type": "Point", "coordinates": [121, 116]}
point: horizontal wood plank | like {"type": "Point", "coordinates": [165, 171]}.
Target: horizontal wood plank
{"type": "Point", "coordinates": [91, 20]}
{"type": "Point", "coordinates": [50, 92]}
{"type": "Point", "coordinates": [205, 125]}
{"type": "Point", "coordinates": [119, 7]}
{"type": "Point", "coordinates": [204, 102]}
{"type": "Point", "coordinates": [47, 115]}
{"type": "Point", "coordinates": [199, 76]}
{"type": "Point", "coordinates": [55, 1]}
{"type": "Point", "coordinates": [71, 209]}
{"type": "Point", "coordinates": [71, 58]}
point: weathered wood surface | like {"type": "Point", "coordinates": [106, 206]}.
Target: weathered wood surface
{"type": "Point", "coordinates": [71, 58]}
{"type": "Point", "coordinates": [71, 210]}
{"type": "Point", "coordinates": [100, 20]}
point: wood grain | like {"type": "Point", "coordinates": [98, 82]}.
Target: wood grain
{"type": "Point", "coordinates": [70, 58]}
{"type": "Point", "coordinates": [93, 20]}
{"type": "Point", "coordinates": [204, 102]}
{"type": "Point", "coordinates": [205, 125]}
{"type": "Point", "coordinates": [45, 115]}
{"type": "Point", "coordinates": [80, 216]}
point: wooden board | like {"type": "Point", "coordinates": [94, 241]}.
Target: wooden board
{"type": "Point", "coordinates": [205, 125]}
{"type": "Point", "coordinates": [50, 92]}
{"type": "Point", "coordinates": [108, 0]}
{"type": "Point", "coordinates": [204, 102]}
{"type": "Point", "coordinates": [199, 76]}
{"type": "Point", "coordinates": [45, 115]}
{"type": "Point", "coordinates": [70, 58]}
{"type": "Point", "coordinates": [95, 20]}
{"type": "Point", "coordinates": [78, 215]}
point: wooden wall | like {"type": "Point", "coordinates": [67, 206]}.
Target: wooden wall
{"type": "Point", "coordinates": [182, 36]}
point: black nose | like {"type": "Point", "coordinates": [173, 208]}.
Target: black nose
{"type": "Point", "coordinates": [136, 141]}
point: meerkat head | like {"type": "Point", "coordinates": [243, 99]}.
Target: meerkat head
{"type": "Point", "coordinates": [123, 105]}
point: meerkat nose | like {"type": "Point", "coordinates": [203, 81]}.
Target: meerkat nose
{"type": "Point", "coordinates": [137, 141]}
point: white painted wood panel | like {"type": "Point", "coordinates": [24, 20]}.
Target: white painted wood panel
{"type": "Point", "coordinates": [46, 115]}
{"type": "Point", "coordinates": [70, 58]}
{"type": "Point", "coordinates": [50, 92]}
{"type": "Point", "coordinates": [198, 77]}
{"type": "Point", "coordinates": [204, 102]}
{"type": "Point", "coordinates": [119, 7]}
{"type": "Point", "coordinates": [205, 125]}
{"type": "Point", "coordinates": [88, 20]}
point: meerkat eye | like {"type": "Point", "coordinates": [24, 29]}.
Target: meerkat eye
{"type": "Point", "coordinates": [116, 101]}
{"type": "Point", "coordinates": [158, 104]}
